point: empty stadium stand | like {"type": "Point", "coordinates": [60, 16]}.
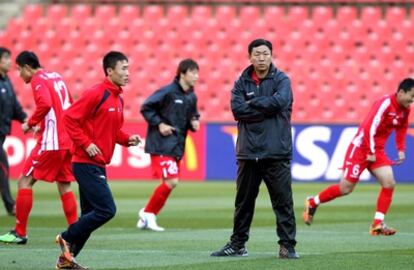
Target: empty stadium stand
{"type": "Point", "coordinates": [340, 58]}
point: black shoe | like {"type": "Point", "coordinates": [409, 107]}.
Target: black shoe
{"type": "Point", "coordinates": [287, 252]}
{"type": "Point", "coordinates": [230, 251]}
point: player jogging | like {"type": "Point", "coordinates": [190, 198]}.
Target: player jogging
{"type": "Point", "coordinates": [366, 151]}
{"type": "Point", "coordinates": [170, 113]}
{"type": "Point", "coordinates": [50, 158]}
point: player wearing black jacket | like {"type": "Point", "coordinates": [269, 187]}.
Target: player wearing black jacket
{"type": "Point", "coordinates": [261, 102]}
{"type": "Point", "coordinates": [10, 109]}
{"type": "Point", "coordinates": [170, 112]}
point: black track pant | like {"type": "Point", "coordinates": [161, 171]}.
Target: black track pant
{"type": "Point", "coordinates": [277, 177]}
{"type": "Point", "coordinates": [4, 178]}
{"type": "Point", "coordinates": [97, 204]}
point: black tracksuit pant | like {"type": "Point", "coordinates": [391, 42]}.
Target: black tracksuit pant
{"type": "Point", "coordinates": [4, 178]}
{"type": "Point", "coordinates": [277, 177]}
{"type": "Point", "coordinates": [97, 204]}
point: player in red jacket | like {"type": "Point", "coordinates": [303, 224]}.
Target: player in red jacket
{"type": "Point", "coordinates": [50, 158]}
{"type": "Point", "coordinates": [366, 151]}
{"type": "Point", "coordinates": [94, 124]}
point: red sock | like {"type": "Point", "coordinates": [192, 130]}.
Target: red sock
{"type": "Point", "coordinates": [383, 204]}
{"type": "Point", "coordinates": [330, 193]}
{"type": "Point", "coordinates": [158, 199]}
{"type": "Point", "coordinates": [24, 203]}
{"type": "Point", "coordinates": [69, 207]}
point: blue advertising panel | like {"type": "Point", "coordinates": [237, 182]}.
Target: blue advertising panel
{"type": "Point", "coordinates": [221, 158]}
{"type": "Point", "coordinates": [318, 153]}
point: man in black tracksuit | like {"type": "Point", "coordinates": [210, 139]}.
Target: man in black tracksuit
{"type": "Point", "coordinates": [261, 101]}
{"type": "Point", "coordinates": [10, 109]}
{"type": "Point", "coordinates": [170, 112]}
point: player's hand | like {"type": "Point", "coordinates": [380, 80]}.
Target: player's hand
{"type": "Point", "coordinates": [195, 124]}
{"type": "Point", "coordinates": [93, 150]}
{"type": "Point", "coordinates": [134, 140]}
{"type": "Point", "coordinates": [35, 130]}
{"type": "Point", "coordinates": [165, 130]}
{"type": "Point", "coordinates": [371, 158]}
{"type": "Point", "coordinates": [25, 127]}
{"type": "Point", "coordinates": [401, 158]}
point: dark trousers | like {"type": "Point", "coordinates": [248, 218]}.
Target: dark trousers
{"type": "Point", "coordinates": [277, 177]}
{"type": "Point", "coordinates": [4, 178]}
{"type": "Point", "coordinates": [97, 204]}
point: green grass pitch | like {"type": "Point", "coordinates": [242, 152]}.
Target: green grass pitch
{"type": "Point", "coordinates": [198, 220]}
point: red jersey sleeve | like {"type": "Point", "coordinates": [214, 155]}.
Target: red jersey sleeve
{"type": "Point", "coordinates": [76, 115]}
{"type": "Point", "coordinates": [42, 99]}
{"type": "Point", "coordinates": [122, 138]}
{"type": "Point", "coordinates": [401, 132]}
{"type": "Point", "coordinates": [373, 120]}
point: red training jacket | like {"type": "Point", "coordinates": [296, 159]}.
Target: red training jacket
{"type": "Point", "coordinates": [97, 117]}
{"type": "Point", "coordinates": [385, 116]}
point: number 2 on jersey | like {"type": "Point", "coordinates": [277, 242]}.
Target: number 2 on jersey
{"type": "Point", "coordinates": [62, 91]}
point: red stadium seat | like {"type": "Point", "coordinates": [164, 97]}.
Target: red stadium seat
{"type": "Point", "coordinates": [273, 14]}
{"type": "Point", "coordinates": [104, 12]}
{"type": "Point", "coordinates": [32, 12]}
{"type": "Point", "coordinates": [395, 15]}
{"type": "Point", "coordinates": [249, 13]}
{"type": "Point", "coordinates": [81, 12]}
{"type": "Point", "coordinates": [200, 12]}
{"type": "Point", "coordinates": [321, 15]}
{"type": "Point", "coordinates": [177, 13]}
{"type": "Point", "coordinates": [346, 14]}
{"type": "Point", "coordinates": [152, 13]}
{"type": "Point", "coordinates": [57, 12]}
{"type": "Point", "coordinates": [296, 15]}
{"type": "Point", "coordinates": [128, 13]}
{"type": "Point", "coordinates": [370, 15]}
{"type": "Point", "coordinates": [224, 13]}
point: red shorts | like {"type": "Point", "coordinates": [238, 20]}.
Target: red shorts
{"type": "Point", "coordinates": [356, 162]}
{"type": "Point", "coordinates": [49, 166]}
{"type": "Point", "coordinates": [165, 167]}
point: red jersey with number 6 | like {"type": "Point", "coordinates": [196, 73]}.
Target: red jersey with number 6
{"type": "Point", "coordinates": [385, 116]}
{"type": "Point", "coordinates": [52, 98]}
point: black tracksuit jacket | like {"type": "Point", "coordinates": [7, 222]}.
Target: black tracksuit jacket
{"type": "Point", "coordinates": [263, 113]}
{"type": "Point", "coordinates": [10, 108]}
{"type": "Point", "coordinates": [172, 106]}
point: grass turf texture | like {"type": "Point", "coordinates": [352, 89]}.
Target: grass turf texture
{"type": "Point", "coordinates": [198, 219]}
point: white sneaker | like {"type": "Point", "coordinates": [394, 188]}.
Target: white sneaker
{"type": "Point", "coordinates": [142, 222]}
{"type": "Point", "coordinates": [148, 221]}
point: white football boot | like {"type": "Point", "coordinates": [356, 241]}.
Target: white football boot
{"type": "Point", "coordinates": [142, 222]}
{"type": "Point", "coordinates": [148, 221]}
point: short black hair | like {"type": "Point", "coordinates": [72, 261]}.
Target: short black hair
{"type": "Point", "coordinates": [406, 85]}
{"type": "Point", "coordinates": [111, 58]}
{"type": "Point", "coordinates": [259, 42]}
{"type": "Point", "coordinates": [4, 51]}
{"type": "Point", "coordinates": [28, 58]}
{"type": "Point", "coordinates": [185, 65]}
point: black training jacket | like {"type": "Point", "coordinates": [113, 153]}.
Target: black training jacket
{"type": "Point", "coordinates": [10, 108]}
{"type": "Point", "coordinates": [263, 113]}
{"type": "Point", "coordinates": [172, 106]}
